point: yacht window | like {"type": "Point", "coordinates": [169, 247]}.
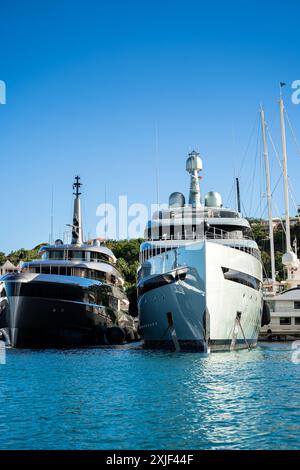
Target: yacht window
{"type": "Point", "coordinates": [98, 275]}
{"type": "Point", "coordinates": [54, 270]}
{"type": "Point", "coordinates": [76, 254]}
{"type": "Point", "coordinates": [28, 269]}
{"type": "Point", "coordinates": [99, 257]}
{"type": "Point", "coordinates": [101, 276]}
{"type": "Point", "coordinates": [297, 320]}
{"type": "Point", "coordinates": [285, 321]}
{"type": "Point", "coordinates": [241, 278]}
{"type": "Point", "coordinates": [55, 254]}
{"type": "Point", "coordinates": [79, 272]}
{"type": "Point", "coordinates": [45, 269]}
{"type": "Point", "coordinates": [64, 271]}
{"type": "Point", "coordinates": [297, 304]}
{"type": "Point", "coordinates": [229, 214]}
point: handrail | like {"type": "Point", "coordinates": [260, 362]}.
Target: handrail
{"type": "Point", "coordinates": [211, 234]}
{"type": "Point", "coordinates": [72, 259]}
{"type": "Point", "coordinates": [39, 270]}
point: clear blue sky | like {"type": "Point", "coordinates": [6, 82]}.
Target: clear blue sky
{"type": "Point", "coordinates": [88, 82]}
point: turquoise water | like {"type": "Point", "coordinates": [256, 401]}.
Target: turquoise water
{"type": "Point", "coordinates": [127, 398]}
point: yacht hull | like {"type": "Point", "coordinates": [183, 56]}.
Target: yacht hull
{"type": "Point", "coordinates": [188, 317]}
{"type": "Point", "coordinates": [37, 322]}
{"type": "Point", "coordinates": [209, 311]}
{"type": "Point", "coordinates": [31, 320]}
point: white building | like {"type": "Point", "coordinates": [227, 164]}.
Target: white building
{"type": "Point", "coordinates": [285, 315]}
{"type": "Point", "coordinates": [8, 267]}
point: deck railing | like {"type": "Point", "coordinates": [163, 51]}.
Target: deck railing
{"type": "Point", "coordinates": [63, 260]}
{"type": "Point", "coordinates": [213, 234]}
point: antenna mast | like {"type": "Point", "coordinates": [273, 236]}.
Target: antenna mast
{"type": "Point", "coordinates": [269, 197]}
{"type": "Point", "coordinates": [285, 174]}
{"type": "Point", "coordinates": [76, 226]}
{"type": "Point", "coordinates": [238, 194]}
{"type": "Point", "coordinates": [193, 166]}
{"type": "Point", "coordinates": [76, 186]}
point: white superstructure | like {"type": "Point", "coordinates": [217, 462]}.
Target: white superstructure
{"type": "Point", "coordinates": [285, 315]}
{"type": "Point", "coordinates": [200, 275]}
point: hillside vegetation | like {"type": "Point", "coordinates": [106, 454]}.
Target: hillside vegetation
{"type": "Point", "coordinates": [261, 236]}
{"type": "Point", "coordinates": [127, 252]}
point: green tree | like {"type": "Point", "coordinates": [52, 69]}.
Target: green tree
{"type": "Point", "coordinates": [266, 261]}
{"type": "Point", "coordinates": [2, 258]}
{"type": "Point", "coordinates": [279, 266]}
{"type": "Point", "coordinates": [259, 232]}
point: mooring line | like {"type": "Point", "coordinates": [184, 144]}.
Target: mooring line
{"type": "Point", "coordinates": [239, 322]}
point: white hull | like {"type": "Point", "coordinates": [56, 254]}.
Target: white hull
{"type": "Point", "coordinates": [204, 305]}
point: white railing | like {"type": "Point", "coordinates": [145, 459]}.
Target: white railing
{"type": "Point", "coordinates": [213, 234]}
{"type": "Point", "coordinates": [70, 271]}
{"type": "Point", "coordinates": [62, 260]}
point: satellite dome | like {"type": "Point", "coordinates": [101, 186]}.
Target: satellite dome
{"type": "Point", "coordinates": [213, 199]}
{"type": "Point", "coordinates": [193, 162]}
{"type": "Point", "coordinates": [176, 200]}
{"type": "Point", "coordinates": [58, 242]}
{"type": "Point", "coordinates": [290, 260]}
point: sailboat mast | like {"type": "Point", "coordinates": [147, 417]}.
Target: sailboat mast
{"type": "Point", "coordinates": [285, 176]}
{"type": "Point", "coordinates": [269, 197]}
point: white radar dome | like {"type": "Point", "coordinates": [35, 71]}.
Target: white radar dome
{"type": "Point", "coordinates": [194, 162]}
{"type": "Point", "coordinates": [290, 260]}
{"type": "Point", "coordinates": [176, 200]}
{"type": "Point", "coordinates": [213, 199]}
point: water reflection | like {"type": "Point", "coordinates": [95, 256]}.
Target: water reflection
{"type": "Point", "coordinates": [126, 397]}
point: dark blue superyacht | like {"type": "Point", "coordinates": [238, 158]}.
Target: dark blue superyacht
{"type": "Point", "coordinates": [72, 296]}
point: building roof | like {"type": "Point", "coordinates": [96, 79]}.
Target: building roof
{"type": "Point", "coordinates": [8, 265]}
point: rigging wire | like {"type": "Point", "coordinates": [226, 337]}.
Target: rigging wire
{"type": "Point", "coordinates": [230, 194]}
{"type": "Point", "coordinates": [238, 174]}
{"type": "Point", "coordinates": [254, 170]}
{"type": "Point", "coordinates": [292, 132]}
{"type": "Point", "coordinates": [85, 231]}
{"type": "Point", "coordinates": [248, 145]}
{"type": "Point", "coordinates": [266, 205]}
{"type": "Point", "coordinates": [291, 188]}
{"type": "Point", "coordinates": [293, 194]}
